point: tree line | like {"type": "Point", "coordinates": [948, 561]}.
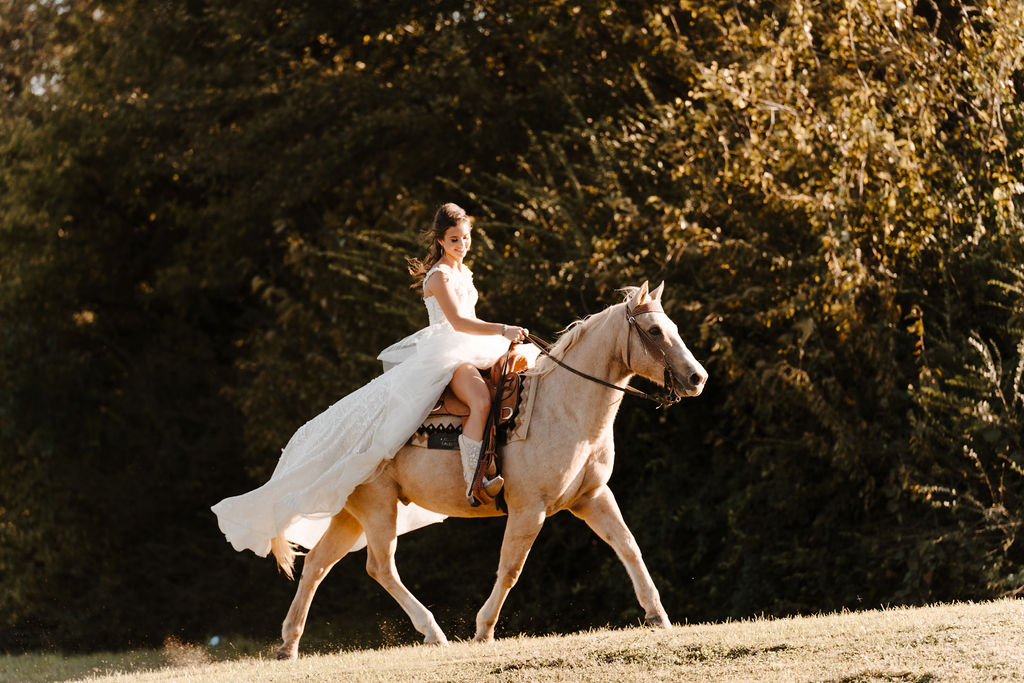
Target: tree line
{"type": "Point", "coordinates": [204, 214]}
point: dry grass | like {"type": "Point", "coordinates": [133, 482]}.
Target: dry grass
{"type": "Point", "coordinates": [962, 642]}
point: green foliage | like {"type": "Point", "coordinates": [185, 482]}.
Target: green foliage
{"type": "Point", "coordinates": [203, 226]}
{"type": "Point", "coordinates": [970, 423]}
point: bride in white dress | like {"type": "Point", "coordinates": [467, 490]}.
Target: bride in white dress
{"type": "Point", "coordinates": [342, 447]}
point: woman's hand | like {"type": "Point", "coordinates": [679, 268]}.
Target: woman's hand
{"type": "Point", "coordinates": [514, 333]}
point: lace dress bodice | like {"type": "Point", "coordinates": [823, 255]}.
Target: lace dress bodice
{"type": "Point", "coordinates": [465, 294]}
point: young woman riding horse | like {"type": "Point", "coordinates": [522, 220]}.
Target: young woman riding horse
{"type": "Point", "coordinates": [345, 480]}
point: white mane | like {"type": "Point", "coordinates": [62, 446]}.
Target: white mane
{"type": "Point", "coordinates": [628, 293]}
{"type": "Point", "coordinates": [567, 338]}
{"type": "Point", "coordinates": [571, 334]}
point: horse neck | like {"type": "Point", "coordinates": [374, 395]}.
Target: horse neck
{"type": "Point", "coordinates": [597, 352]}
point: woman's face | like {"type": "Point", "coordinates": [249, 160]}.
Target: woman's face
{"type": "Point", "coordinates": [456, 241]}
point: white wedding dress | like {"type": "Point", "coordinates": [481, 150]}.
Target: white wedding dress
{"type": "Point", "coordinates": [342, 447]}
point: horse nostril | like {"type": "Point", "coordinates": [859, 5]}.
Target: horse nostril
{"type": "Point", "coordinates": [696, 379]}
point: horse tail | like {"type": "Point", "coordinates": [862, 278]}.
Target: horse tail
{"type": "Point", "coordinates": [285, 553]}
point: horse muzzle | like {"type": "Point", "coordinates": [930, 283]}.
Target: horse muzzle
{"type": "Point", "coordinates": [689, 385]}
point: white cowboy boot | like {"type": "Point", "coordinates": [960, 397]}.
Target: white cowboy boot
{"type": "Point", "coordinates": [470, 451]}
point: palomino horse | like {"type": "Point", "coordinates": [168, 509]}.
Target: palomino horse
{"type": "Point", "coordinates": [563, 464]}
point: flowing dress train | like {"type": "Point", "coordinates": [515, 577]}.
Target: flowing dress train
{"type": "Point", "coordinates": [342, 447]}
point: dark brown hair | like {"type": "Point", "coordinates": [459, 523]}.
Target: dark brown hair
{"type": "Point", "coordinates": [447, 216]}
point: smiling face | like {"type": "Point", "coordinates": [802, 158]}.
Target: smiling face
{"type": "Point", "coordinates": [456, 241]}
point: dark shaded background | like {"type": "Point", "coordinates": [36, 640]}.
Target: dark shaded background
{"type": "Point", "coordinates": [204, 213]}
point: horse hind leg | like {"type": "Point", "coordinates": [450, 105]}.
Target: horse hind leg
{"type": "Point", "coordinates": [339, 538]}
{"type": "Point", "coordinates": [601, 513]}
{"type": "Point", "coordinates": [379, 521]}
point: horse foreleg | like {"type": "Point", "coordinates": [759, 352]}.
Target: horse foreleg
{"type": "Point", "coordinates": [520, 532]}
{"type": "Point", "coordinates": [379, 522]}
{"type": "Point", "coordinates": [601, 513]}
{"type": "Point", "coordinates": [339, 538]}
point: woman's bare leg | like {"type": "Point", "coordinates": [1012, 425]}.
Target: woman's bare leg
{"type": "Point", "coordinates": [470, 388]}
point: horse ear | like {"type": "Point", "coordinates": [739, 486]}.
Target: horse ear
{"type": "Point", "coordinates": [656, 294]}
{"type": "Point", "coordinates": [640, 295]}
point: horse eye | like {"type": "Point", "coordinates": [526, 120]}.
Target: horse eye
{"type": "Point", "coordinates": [655, 331]}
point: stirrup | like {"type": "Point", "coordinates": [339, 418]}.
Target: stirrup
{"type": "Point", "coordinates": [492, 487]}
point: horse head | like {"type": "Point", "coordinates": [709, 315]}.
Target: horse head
{"type": "Point", "coordinates": [654, 349]}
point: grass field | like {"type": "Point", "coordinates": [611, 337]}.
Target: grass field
{"type": "Point", "coordinates": [961, 642]}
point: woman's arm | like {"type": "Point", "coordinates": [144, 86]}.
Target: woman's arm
{"type": "Point", "coordinates": [441, 289]}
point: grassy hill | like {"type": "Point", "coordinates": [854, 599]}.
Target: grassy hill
{"type": "Point", "coordinates": [959, 642]}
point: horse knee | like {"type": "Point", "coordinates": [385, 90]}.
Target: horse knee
{"type": "Point", "coordinates": [630, 546]}
{"type": "Point", "coordinates": [508, 578]}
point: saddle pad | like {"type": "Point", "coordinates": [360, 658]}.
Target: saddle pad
{"type": "Point", "coordinates": [442, 431]}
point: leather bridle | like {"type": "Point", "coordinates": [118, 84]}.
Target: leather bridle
{"type": "Point", "coordinates": [647, 341]}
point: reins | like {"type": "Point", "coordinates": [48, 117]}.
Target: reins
{"type": "Point", "coordinates": [648, 307]}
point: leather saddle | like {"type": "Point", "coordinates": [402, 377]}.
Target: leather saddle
{"type": "Point", "coordinates": [442, 427]}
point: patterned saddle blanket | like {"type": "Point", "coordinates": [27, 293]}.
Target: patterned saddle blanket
{"type": "Point", "coordinates": [443, 426]}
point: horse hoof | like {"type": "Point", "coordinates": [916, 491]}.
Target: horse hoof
{"type": "Point", "coordinates": [658, 621]}
{"type": "Point", "coordinates": [437, 640]}
{"type": "Point", "coordinates": [287, 654]}
{"type": "Point", "coordinates": [485, 638]}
